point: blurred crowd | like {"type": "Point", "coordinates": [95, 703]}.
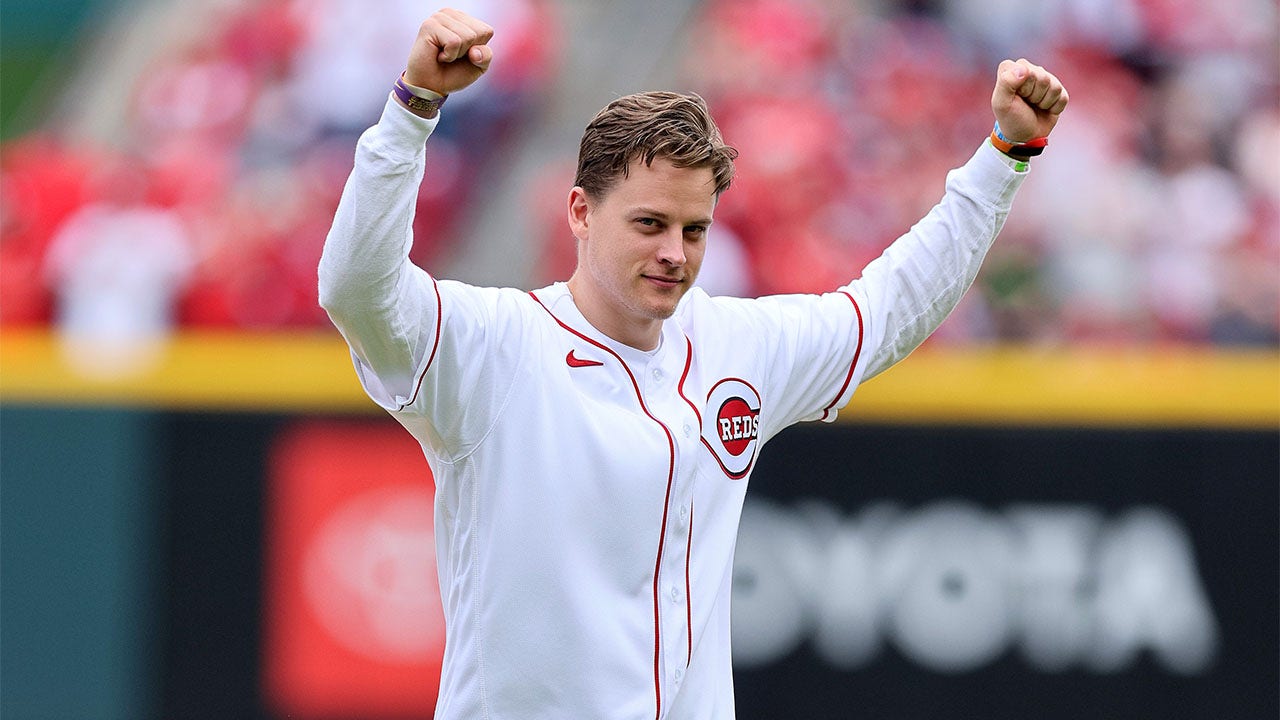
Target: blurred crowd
{"type": "Point", "coordinates": [211, 208]}
{"type": "Point", "coordinates": [1154, 216]}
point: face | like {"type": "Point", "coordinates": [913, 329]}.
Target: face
{"type": "Point", "coordinates": [640, 248]}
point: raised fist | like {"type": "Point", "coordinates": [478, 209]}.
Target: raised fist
{"type": "Point", "coordinates": [1027, 100]}
{"type": "Point", "coordinates": [450, 52]}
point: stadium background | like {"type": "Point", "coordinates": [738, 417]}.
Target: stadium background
{"type": "Point", "coordinates": [1065, 505]}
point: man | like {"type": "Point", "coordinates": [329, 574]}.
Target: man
{"type": "Point", "coordinates": [591, 441]}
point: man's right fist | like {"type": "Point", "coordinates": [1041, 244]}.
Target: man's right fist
{"type": "Point", "coordinates": [450, 52]}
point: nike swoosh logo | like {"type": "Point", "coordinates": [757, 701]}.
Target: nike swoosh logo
{"type": "Point", "coordinates": [574, 361]}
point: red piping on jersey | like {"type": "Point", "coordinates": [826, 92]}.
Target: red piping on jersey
{"type": "Point", "coordinates": [857, 352]}
{"type": "Point", "coordinates": [435, 345]}
{"type": "Point", "coordinates": [666, 504]}
{"type": "Point", "coordinates": [688, 361]}
{"type": "Point", "coordinates": [688, 596]}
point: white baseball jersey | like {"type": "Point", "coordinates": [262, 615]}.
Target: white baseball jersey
{"type": "Point", "coordinates": [588, 493]}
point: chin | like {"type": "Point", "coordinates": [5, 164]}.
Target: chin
{"type": "Point", "coordinates": [664, 307]}
{"type": "Point", "coordinates": [657, 304]}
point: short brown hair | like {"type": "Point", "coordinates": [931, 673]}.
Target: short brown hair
{"type": "Point", "coordinates": [674, 126]}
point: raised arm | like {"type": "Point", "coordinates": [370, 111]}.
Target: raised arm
{"type": "Point", "coordinates": [385, 307]}
{"type": "Point", "coordinates": [920, 278]}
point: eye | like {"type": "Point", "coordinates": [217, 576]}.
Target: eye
{"type": "Point", "coordinates": [696, 231]}
{"type": "Point", "coordinates": [648, 222]}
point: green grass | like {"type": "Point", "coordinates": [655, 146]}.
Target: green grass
{"type": "Point", "coordinates": [35, 38]}
{"type": "Point", "coordinates": [19, 72]}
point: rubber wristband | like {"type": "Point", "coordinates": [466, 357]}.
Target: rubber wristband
{"type": "Point", "coordinates": [418, 99]}
{"type": "Point", "coordinates": [1030, 148]}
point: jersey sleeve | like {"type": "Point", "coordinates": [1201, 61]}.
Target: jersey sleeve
{"type": "Point", "coordinates": [919, 279]}
{"type": "Point", "coordinates": [405, 327]}
{"type": "Point", "coordinates": [807, 350]}
{"type": "Point", "coordinates": [817, 349]}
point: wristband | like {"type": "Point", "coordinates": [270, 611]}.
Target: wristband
{"type": "Point", "coordinates": [1030, 148]}
{"type": "Point", "coordinates": [418, 99]}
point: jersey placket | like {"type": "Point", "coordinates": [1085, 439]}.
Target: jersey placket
{"type": "Point", "coordinates": [661, 394]}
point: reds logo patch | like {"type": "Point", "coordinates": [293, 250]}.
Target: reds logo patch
{"type": "Point", "coordinates": [731, 426]}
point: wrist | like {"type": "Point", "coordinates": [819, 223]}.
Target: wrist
{"type": "Point", "coordinates": [420, 101]}
{"type": "Point", "coordinates": [1020, 151]}
{"type": "Point", "coordinates": [1017, 164]}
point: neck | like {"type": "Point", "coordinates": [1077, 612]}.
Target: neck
{"type": "Point", "coordinates": [641, 333]}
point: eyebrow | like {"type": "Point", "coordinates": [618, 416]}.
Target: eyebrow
{"type": "Point", "coordinates": [659, 215]}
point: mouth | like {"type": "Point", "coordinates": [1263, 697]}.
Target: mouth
{"type": "Point", "coordinates": [663, 281]}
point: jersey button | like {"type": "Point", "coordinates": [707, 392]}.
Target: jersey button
{"type": "Point", "coordinates": [684, 512]}
{"type": "Point", "coordinates": [675, 594]}
{"type": "Point", "coordinates": [679, 674]}
{"type": "Point", "coordinates": [687, 430]}
{"type": "Point", "coordinates": [657, 375]}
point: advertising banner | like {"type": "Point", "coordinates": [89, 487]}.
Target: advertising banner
{"type": "Point", "coordinates": [353, 625]}
{"type": "Point", "coordinates": [881, 571]}
{"type": "Point", "coordinates": [921, 572]}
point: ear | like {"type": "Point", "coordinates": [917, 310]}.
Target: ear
{"type": "Point", "coordinates": [579, 212]}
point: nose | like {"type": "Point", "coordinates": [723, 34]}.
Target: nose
{"type": "Point", "coordinates": [671, 248]}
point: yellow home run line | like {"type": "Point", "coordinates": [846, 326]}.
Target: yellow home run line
{"type": "Point", "coordinates": [194, 370]}
{"type": "Point", "coordinates": [311, 372]}
{"type": "Point", "coordinates": [1096, 386]}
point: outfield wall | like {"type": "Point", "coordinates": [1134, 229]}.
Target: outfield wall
{"type": "Point", "coordinates": [178, 544]}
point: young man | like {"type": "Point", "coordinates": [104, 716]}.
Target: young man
{"type": "Point", "coordinates": [591, 441]}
